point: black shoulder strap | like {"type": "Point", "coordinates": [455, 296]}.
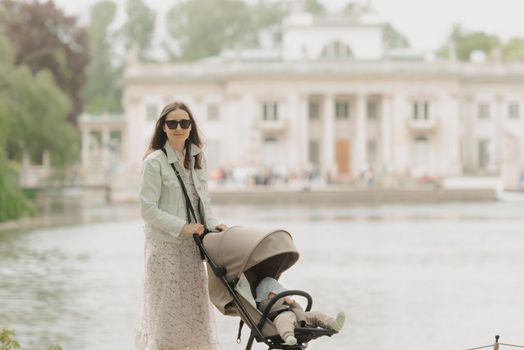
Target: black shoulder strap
{"type": "Point", "coordinates": [189, 206]}
{"type": "Point", "coordinates": [239, 336]}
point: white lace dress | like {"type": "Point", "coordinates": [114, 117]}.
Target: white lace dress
{"type": "Point", "coordinates": [177, 313]}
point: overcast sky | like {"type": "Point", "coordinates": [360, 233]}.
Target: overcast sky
{"type": "Point", "coordinates": [426, 23]}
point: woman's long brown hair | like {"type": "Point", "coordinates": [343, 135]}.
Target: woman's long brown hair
{"type": "Point", "coordinates": [159, 138]}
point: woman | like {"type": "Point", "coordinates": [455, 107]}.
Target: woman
{"type": "Point", "coordinates": [177, 313]}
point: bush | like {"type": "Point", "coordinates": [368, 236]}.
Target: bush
{"type": "Point", "coordinates": [7, 341]}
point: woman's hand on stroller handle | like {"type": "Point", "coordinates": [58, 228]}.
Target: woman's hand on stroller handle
{"type": "Point", "coordinates": [192, 229]}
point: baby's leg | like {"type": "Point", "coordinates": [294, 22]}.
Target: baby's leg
{"type": "Point", "coordinates": [318, 319]}
{"type": "Point", "coordinates": [285, 323]}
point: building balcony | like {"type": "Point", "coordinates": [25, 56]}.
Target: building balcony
{"type": "Point", "coordinates": [278, 125]}
{"type": "Point", "coordinates": [417, 125]}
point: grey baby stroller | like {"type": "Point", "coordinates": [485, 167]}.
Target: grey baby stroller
{"type": "Point", "coordinates": [238, 259]}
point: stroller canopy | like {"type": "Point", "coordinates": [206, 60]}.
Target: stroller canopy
{"type": "Point", "coordinates": [256, 253]}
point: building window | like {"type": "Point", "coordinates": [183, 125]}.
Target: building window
{"type": "Point", "coordinates": [115, 140]}
{"type": "Point", "coordinates": [372, 151]}
{"type": "Point", "coordinates": [342, 109]}
{"type": "Point", "coordinates": [314, 153]}
{"type": "Point", "coordinates": [336, 49]}
{"type": "Point", "coordinates": [483, 111]}
{"type": "Point", "coordinates": [213, 111]}
{"type": "Point", "coordinates": [483, 154]}
{"type": "Point", "coordinates": [270, 154]}
{"type": "Point", "coordinates": [313, 110]}
{"type": "Point", "coordinates": [372, 110]}
{"type": "Point", "coordinates": [514, 110]}
{"type": "Point", "coordinates": [421, 157]}
{"type": "Point", "coordinates": [152, 111]}
{"type": "Point", "coordinates": [270, 111]}
{"type": "Point", "coordinates": [420, 110]}
{"type": "Point", "coordinates": [95, 140]}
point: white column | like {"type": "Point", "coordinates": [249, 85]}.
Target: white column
{"type": "Point", "coordinates": [386, 131]}
{"type": "Point", "coordinates": [450, 109]}
{"type": "Point", "coordinates": [296, 135]}
{"type": "Point", "coordinates": [105, 149]}
{"type": "Point", "coordinates": [303, 116]}
{"type": "Point", "coordinates": [291, 139]}
{"type": "Point", "coordinates": [231, 128]}
{"type": "Point", "coordinates": [468, 136]}
{"type": "Point", "coordinates": [250, 133]}
{"type": "Point", "coordinates": [136, 145]}
{"type": "Point", "coordinates": [361, 134]}
{"type": "Point", "coordinates": [328, 136]}
{"type": "Point", "coordinates": [401, 136]}
{"type": "Point", "coordinates": [499, 120]}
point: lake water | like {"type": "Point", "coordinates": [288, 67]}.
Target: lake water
{"type": "Point", "coordinates": [429, 277]}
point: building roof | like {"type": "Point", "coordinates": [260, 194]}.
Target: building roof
{"type": "Point", "coordinates": [326, 69]}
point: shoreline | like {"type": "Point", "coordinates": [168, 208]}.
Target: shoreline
{"type": "Point", "coordinates": [95, 205]}
{"type": "Point", "coordinates": [351, 197]}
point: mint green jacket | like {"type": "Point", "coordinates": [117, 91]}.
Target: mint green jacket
{"type": "Point", "coordinates": [162, 202]}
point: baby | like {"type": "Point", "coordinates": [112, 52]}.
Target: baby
{"type": "Point", "coordinates": [286, 313]}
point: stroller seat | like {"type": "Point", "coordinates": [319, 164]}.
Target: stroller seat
{"type": "Point", "coordinates": [244, 256]}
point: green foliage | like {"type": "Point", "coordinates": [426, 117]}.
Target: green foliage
{"type": "Point", "coordinates": [202, 28]}
{"type": "Point", "coordinates": [315, 7]}
{"type": "Point", "coordinates": [44, 38]}
{"type": "Point", "coordinates": [267, 18]}
{"type": "Point", "coordinates": [101, 92]}
{"type": "Point", "coordinates": [54, 347]}
{"type": "Point", "coordinates": [467, 42]}
{"type": "Point", "coordinates": [13, 202]}
{"type": "Point", "coordinates": [37, 110]}
{"type": "Point", "coordinates": [513, 50]}
{"type": "Point", "coordinates": [140, 26]}
{"type": "Point", "coordinates": [353, 9]}
{"type": "Point", "coordinates": [33, 113]}
{"type": "Point", "coordinates": [7, 341]}
{"type": "Point", "coordinates": [392, 38]}
{"type": "Point", "coordinates": [491, 45]}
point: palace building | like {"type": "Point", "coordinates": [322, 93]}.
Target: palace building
{"type": "Point", "coordinates": [331, 97]}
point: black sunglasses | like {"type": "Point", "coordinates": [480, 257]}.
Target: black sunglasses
{"type": "Point", "coordinates": [173, 124]}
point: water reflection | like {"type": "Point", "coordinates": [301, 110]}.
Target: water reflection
{"type": "Point", "coordinates": [431, 277]}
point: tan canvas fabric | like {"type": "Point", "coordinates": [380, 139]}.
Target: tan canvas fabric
{"type": "Point", "coordinates": [256, 253]}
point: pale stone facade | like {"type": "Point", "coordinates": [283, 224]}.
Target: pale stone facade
{"type": "Point", "coordinates": [332, 98]}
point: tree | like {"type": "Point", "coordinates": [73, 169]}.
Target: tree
{"type": "Point", "coordinates": [513, 50]}
{"type": "Point", "coordinates": [34, 112]}
{"type": "Point", "coordinates": [13, 203]}
{"type": "Point", "coordinates": [393, 38]}
{"type": "Point", "coordinates": [101, 92]}
{"type": "Point", "coordinates": [353, 9]}
{"type": "Point", "coordinates": [315, 7]}
{"type": "Point", "coordinates": [467, 42]}
{"type": "Point", "coordinates": [267, 19]}
{"type": "Point", "coordinates": [44, 38]}
{"type": "Point", "coordinates": [202, 28]}
{"type": "Point", "coordinates": [140, 26]}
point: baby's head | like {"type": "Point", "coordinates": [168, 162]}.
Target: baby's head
{"type": "Point", "coordinates": [268, 288]}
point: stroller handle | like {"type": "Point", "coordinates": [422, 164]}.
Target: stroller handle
{"type": "Point", "coordinates": [282, 295]}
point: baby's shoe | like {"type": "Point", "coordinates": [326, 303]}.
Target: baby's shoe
{"type": "Point", "coordinates": [339, 322]}
{"type": "Point", "coordinates": [291, 340]}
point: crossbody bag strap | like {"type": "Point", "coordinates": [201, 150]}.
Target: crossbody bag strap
{"type": "Point", "coordinates": [189, 206]}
